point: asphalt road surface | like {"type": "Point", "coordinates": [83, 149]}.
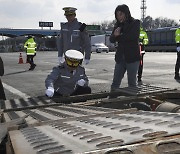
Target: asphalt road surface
{"type": "Point", "coordinates": [19, 82]}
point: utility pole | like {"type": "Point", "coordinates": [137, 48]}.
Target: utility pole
{"type": "Point", "coordinates": [143, 10]}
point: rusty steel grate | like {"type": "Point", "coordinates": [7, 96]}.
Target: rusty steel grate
{"type": "Point", "coordinates": [36, 102]}
{"type": "Point", "coordinates": [143, 89]}
{"type": "Point", "coordinates": [98, 132]}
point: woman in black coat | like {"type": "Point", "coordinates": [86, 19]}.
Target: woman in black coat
{"type": "Point", "coordinates": [2, 94]}
{"type": "Point", "coordinates": [127, 57]}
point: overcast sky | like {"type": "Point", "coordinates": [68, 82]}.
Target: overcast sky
{"type": "Point", "coordinates": [28, 13]}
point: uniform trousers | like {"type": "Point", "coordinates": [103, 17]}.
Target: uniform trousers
{"type": "Point", "coordinates": [2, 94]}
{"type": "Point", "coordinates": [119, 71]}
{"type": "Point", "coordinates": [177, 65]}
{"type": "Point", "coordinates": [30, 60]}
{"type": "Point", "coordinates": [140, 70]}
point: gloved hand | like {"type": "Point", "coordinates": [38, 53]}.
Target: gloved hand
{"type": "Point", "coordinates": [50, 92]}
{"type": "Point", "coordinates": [81, 82]}
{"type": "Point", "coordinates": [178, 49]}
{"type": "Point", "coordinates": [61, 60]}
{"type": "Point", "coordinates": [86, 61]}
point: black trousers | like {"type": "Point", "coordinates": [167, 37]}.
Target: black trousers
{"type": "Point", "coordinates": [2, 94]}
{"type": "Point", "coordinates": [30, 59]}
{"type": "Point", "coordinates": [79, 91]}
{"type": "Point", "coordinates": [140, 70]}
{"type": "Point", "coordinates": [177, 64]}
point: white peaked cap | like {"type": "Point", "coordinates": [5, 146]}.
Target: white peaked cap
{"type": "Point", "coordinates": [74, 54]}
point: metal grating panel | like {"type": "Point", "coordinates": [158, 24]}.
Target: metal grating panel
{"type": "Point", "coordinates": [95, 132]}
{"type": "Point", "coordinates": [20, 104]}
{"type": "Point", "coordinates": [55, 112]}
{"type": "Point", "coordinates": [167, 146]}
{"type": "Point", "coordinates": [143, 89]}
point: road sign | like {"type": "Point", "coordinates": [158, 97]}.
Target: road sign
{"type": "Point", "coordinates": [93, 27]}
{"type": "Point", "coordinates": [45, 24]}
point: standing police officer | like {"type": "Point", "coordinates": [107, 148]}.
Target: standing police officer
{"type": "Point", "coordinates": [177, 39]}
{"type": "Point", "coordinates": [69, 78]}
{"type": "Point", "coordinates": [30, 46]}
{"type": "Point", "coordinates": [143, 41]}
{"type": "Point", "coordinates": [73, 36]}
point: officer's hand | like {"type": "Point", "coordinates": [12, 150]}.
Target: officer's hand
{"type": "Point", "coordinates": [50, 92]}
{"type": "Point", "coordinates": [86, 61]}
{"type": "Point", "coordinates": [81, 82]}
{"type": "Point", "coordinates": [178, 49]}
{"type": "Point", "coordinates": [61, 60]}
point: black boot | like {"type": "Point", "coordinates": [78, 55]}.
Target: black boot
{"type": "Point", "coordinates": [177, 77]}
{"type": "Point", "coordinates": [32, 67]}
{"type": "Point", "coordinates": [139, 79]}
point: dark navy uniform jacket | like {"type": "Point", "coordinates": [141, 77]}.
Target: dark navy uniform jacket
{"type": "Point", "coordinates": [63, 81]}
{"type": "Point", "coordinates": [72, 38]}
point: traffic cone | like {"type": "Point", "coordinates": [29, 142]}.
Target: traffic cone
{"type": "Point", "coordinates": [20, 59]}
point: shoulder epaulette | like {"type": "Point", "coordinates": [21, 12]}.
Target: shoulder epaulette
{"type": "Point", "coordinates": [82, 27]}
{"type": "Point", "coordinates": [80, 23]}
{"type": "Point", "coordinates": [63, 23]}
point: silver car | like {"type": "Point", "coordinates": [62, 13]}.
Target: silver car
{"type": "Point", "coordinates": [99, 47]}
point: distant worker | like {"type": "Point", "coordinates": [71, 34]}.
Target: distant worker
{"type": "Point", "coordinates": [30, 47]}
{"type": "Point", "coordinates": [2, 94]}
{"type": "Point", "coordinates": [69, 78]}
{"type": "Point", "coordinates": [177, 39]}
{"type": "Point", "coordinates": [73, 35]}
{"type": "Point", "coordinates": [143, 41]}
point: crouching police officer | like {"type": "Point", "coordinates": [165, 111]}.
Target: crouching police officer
{"type": "Point", "coordinates": [69, 78]}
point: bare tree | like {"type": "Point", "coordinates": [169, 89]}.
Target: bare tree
{"type": "Point", "coordinates": [148, 23]}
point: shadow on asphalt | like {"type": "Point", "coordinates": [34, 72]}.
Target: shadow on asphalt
{"type": "Point", "coordinates": [16, 73]}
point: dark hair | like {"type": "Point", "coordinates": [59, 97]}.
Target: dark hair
{"type": "Point", "coordinates": [125, 9]}
{"type": "Point", "coordinates": [29, 36]}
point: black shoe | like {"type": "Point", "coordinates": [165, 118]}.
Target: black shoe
{"type": "Point", "coordinates": [32, 67]}
{"type": "Point", "coordinates": [177, 77]}
{"type": "Point", "coordinates": [139, 80]}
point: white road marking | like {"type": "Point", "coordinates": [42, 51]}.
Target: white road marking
{"type": "Point", "coordinates": [15, 91]}
{"type": "Point", "coordinates": [96, 81]}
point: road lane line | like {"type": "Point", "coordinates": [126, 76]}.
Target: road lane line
{"type": "Point", "coordinates": [15, 91]}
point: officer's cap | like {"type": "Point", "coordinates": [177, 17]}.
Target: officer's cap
{"type": "Point", "coordinates": [74, 55]}
{"type": "Point", "coordinates": [69, 10]}
{"type": "Point", "coordinates": [73, 58]}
